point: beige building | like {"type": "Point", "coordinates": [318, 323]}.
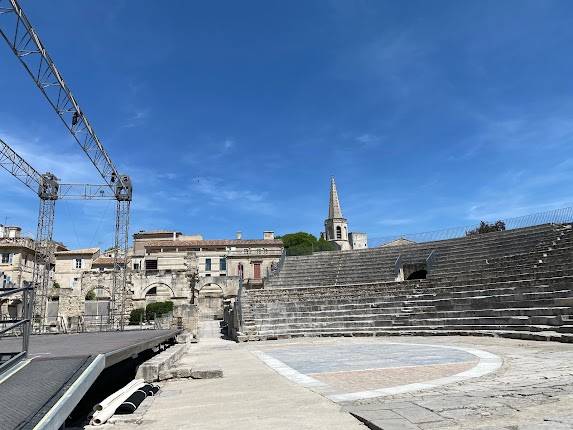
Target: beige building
{"type": "Point", "coordinates": [72, 264]}
{"type": "Point", "coordinates": [170, 265]}
{"type": "Point", "coordinates": [17, 254]}
{"type": "Point", "coordinates": [16, 257]}
{"type": "Point", "coordinates": [162, 265]}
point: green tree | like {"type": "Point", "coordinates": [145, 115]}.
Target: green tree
{"type": "Point", "coordinates": [485, 227]}
{"type": "Point", "coordinates": [302, 243]}
{"type": "Point", "coordinates": [158, 309]}
{"type": "Point", "coordinates": [136, 316]}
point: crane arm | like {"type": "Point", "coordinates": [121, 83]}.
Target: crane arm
{"type": "Point", "coordinates": [18, 32]}
{"type": "Point", "coordinates": [19, 168]}
{"type": "Point", "coordinates": [47, 185]}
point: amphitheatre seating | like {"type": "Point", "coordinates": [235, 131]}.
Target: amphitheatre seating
{"type": "Point", "coordinates": [514, 283]}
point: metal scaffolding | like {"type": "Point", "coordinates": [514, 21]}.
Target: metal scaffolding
{"type": "Point", "coordinates": [25, 43]}
{"type": "Point", "coordinates": [49, 190]}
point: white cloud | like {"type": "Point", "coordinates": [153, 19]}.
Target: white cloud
{"type": "Point", "coordinates": [136, 117]}
{"type": "Point", "coordinates": [528, 131]}
{"type": "Point", "coordinates": [46, 156]}
{"type": "Point", "coordinates": [220, 192]}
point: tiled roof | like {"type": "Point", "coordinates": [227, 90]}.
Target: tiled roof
{"type": "Point", "coordinates": [200, 243]}
{"type": "Point", "coordinates": [78, 251]}
{"type": "Point", "coordinates": [104, 261]}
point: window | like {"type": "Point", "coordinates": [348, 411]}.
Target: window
{"type": "Point", "coordinates": [78, 263]}
{"type": "Point", "coordinates": [135, 266]}
{"type": "Point", "coordinates": [150, 264]}
{"type": "Point", "coordinates": [222, 264]}
{"type": "Point", "coordinates": [338, 232]}
{"type": "Point", "coordinates": [207, 264]}
{"type": "Point", "coordinates": [7, 258]}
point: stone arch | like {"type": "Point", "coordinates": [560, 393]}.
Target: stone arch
{"type": "Point", "coordinates": [15, 308]}
{"type": "Point", "coordinates": [101, 292]}
{"type": "Point", "coordinates": [210, 301]}
{"type": "Point", "coordinates": [96, 312]}
{"type": "Point", "coordinates": [158, 290]}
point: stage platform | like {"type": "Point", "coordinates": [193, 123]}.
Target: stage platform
{"type": "Point", "coordinates": [41, 391]}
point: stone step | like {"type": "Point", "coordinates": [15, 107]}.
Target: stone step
{"type": "Point", "coordinates": [522, 335]}
{"type": "Point", "coordinates": [517, 323]}
{"type": "Point", "coordinates": [388, 315]}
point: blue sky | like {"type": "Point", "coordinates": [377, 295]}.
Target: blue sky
{"type": "Point", "coordinates": [233, 115]}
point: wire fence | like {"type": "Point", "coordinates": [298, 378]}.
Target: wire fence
{"type": "Point", "coordinates": [557, 216]}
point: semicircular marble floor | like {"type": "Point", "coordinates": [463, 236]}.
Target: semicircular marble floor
{"type": "Point", "coordinates": [352, 371]}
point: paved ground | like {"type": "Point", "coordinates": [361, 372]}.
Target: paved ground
{"type": "Point", "coordinates": [395, 383]}
{"type": "Point", "coordinates": [250, 396]}
{"type": "Point", "coordinates": [533, 388]}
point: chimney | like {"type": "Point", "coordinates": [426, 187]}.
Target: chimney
{"type": "Point", "coordinates": [239, 235]}
{"type": "Point", "coordinates": [13, 232]}
{"type": "Point", "coordinates": [268, 235]}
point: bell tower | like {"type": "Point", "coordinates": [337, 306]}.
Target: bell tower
{"type": "Point", "coordinates": [336, 226]}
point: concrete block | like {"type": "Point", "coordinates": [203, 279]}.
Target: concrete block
{"type": "Point", "coordinates": [181, 372]}
{"type": "Point", "coordinates": [206, 373]}
{"type": "Point", "coordinates": [164, 375]}
{"type": "Point", "coordinates": [150, 370]}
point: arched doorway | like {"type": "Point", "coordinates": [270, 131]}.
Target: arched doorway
{"type": "Point", "coordinates": [15, 309]}
{"type": "Point", "coordinates": [158, 292]}
{"type": "Point", "coordinates": [210, 302]}
{"type": "Point", "coordinates": [97, 303]}
{"type": "Point", "coordinates": [418, 274]}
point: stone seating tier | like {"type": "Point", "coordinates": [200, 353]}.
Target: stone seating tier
{"type": "Point", "coordinates": [514, 284]}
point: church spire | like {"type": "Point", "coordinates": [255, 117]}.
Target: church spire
{"type": "Point", "coordinates": [334, 210]}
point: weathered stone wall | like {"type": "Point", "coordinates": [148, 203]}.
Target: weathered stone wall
{"type": "Point", "coordinates": [189, 315]}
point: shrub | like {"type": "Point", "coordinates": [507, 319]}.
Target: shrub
{"type": "Point", "coordinates": [485, 227]}
{"type": "Point", "coordinates": [158, 309]}
{"type": "Point", "coordinates": [136, 316]}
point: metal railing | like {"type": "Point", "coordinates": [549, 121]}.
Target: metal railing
{"type": "Point", "coordinates": [18, 325]}
{"type": "Point", "coordinates": [275, 268]}
{"type": "Point", "coordinates": [398, 265]}
{"type": "Point", "coordinates": [249, 251]}
{"type": "Point", "coordinates": [430, 260]}
{"type": "Point", "coordinates": [557, 216]}
{"type": "Point", "coordinates": [239, 305]}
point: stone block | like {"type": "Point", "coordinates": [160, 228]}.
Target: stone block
{"type": "Point", "coordinates": [181, 372]}
{"type": "Point", "coordinates": [164, 375]}
{"type": "Point", "coordinates": [206, 373]}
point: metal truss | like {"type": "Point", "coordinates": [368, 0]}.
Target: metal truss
{"type": "Point", "coordinates": [49, 190]}
{"type": "Point", "coordinates": [44, 255]}
{"type": "Point", "coordinates": [17, 31]}
{"type": "Point", "coordinates": [119, 281]}
{"type": "Point", "coordinates": [18, 167]}
{"type": "Point", "coordinates": [85, 192]}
